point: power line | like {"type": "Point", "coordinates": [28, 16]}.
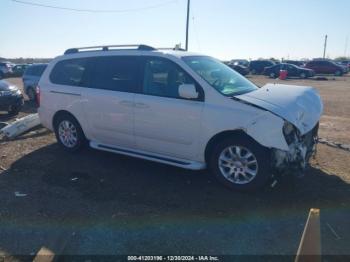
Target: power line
{"type": "Point", "coordinates": [93, 10]}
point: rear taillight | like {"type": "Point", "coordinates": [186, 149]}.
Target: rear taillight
{"type": "Point", "coordinates": [38, 95]}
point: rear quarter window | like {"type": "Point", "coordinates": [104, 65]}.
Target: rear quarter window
{"type": "Point", "coordinates": [70, 72]}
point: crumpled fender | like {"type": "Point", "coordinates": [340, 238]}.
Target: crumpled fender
{"type": "Point", "coordinates": [267, 130]}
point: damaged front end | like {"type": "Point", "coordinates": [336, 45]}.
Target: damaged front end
{"type": "Point", "coordinates": [301, 149]}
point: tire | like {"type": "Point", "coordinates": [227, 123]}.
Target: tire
{"type": "Point", "coordinates": [253, 72]}
{"type": "Point", "coordinates": [1, 75]}
{"type": "Point", "coordinates": [303, 75]}
{"type": "Point", "coordinates": [260, 155]}
{"type": "Point", "coordinates": [338, 73]}
{"type": "Point", "coordinates": [69, 133]}
{"type": "Point", "coordinates": [14, 110]}
{"type": "Point", "coordinates": [31, 94]}
{"type": "Point", "coordinates": [272, 75]}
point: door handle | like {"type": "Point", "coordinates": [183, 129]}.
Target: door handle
{"type": "Point", "coordinates": [141, 105]}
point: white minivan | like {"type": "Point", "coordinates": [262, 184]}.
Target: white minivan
{"type": "Point", "coordinates": [179, 108]}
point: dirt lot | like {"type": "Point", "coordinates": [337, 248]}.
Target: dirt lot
{"type": "Point", "coordinates": [100, 203]}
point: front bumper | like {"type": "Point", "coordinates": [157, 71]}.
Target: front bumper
{"type": "Point", "coordinates": [7, 101]}
{"type": "Point", "coordinates": [296, 159]}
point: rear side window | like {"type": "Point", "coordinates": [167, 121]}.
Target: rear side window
{"type": "Point", "coordinates": [70, 72]}
{"type": "Point", "coordinates": [117, 73]}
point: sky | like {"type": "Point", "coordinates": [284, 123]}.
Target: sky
{"type": "Point", "coordinates": [225, 29]}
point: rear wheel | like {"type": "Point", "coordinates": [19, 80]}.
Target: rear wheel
{"type": "Point", "coordinates": [241, 164]}
{"type": "Point", "coordinates": [69, 133]}
{"type": "Point", "coordinates": [253, 71]}
{"type": "Point", "coordinates": [31, 94]}
{"type": "Point", "coordinates": [338, 73]}
{"type": "Point", "coordinates": [1, 75]}
{"type": "Point", "coordinates": [303, 75]}
{"type": "Point", "coordinates": [272, 75]}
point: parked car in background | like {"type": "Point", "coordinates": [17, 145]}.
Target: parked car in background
{"type": "Point", "coordinates": [243, 70]}
{"type": "Point", "coordinates": [18, 70]}
{"type": "Point", "coordinates": [325, 67]}
{"type": "Point", "coordinates": [293, 71]}
{"type": "Point", "coordinates": [31, 79]}
{"type": "Point", "coordinates": [5, 69]}
{"type": "Point", "coordinates": [11, 98]}
{"type": "Point", "coordinates": [295, 62]}
{"type": "Point", "coordinates": [256, 67]}
{"type": "Point", "coordinates": [242, 62]}
{"type": "Point", "coordinates": [345, 65]}
{"type": "Point", "coordinates": [181, 109]}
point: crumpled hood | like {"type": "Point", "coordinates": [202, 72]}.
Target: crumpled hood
{"type": "Point", "coordinates": [300, 105]}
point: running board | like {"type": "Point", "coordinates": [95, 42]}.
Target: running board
{"type": "Point", "coordinates": [151, 157]}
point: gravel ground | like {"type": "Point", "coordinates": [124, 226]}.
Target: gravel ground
{"type": "Point", "coordinates": [100, 203]}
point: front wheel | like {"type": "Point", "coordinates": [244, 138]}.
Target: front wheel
{"type": "Point", "coordinates": [14, 110]}
{"type": "Point", "coordinates": [241, 164]}
{"type": "Point", "coordinates": [303, 75]}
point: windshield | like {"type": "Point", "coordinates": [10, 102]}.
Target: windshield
{"type": "Point", "coordinates": [224, 79]}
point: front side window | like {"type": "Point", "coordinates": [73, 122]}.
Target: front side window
{"type": "Point", "coordinates": [221, 77]}
{"type": "Point", "coordinates": [117, 73]}
{"type": "Point", "coordinates": [69, 72]}
{"type": "Point", "coordinates": [163, 78]}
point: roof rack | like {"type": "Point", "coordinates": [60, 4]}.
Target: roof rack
{"type": "Point", "coordinates": [172, 48]}
{"type": "Point", "coordinates": [109, 47]}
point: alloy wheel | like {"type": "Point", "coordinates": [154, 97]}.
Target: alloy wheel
{"type": "Point", "coordinates": [238, 164]}
{"type": "Point", "coordinates": [68, 134]}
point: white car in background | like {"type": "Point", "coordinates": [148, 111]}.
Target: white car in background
{"type": "Point", "coordinates": [5, 69]}
{"type": "Point", "coordinates": [181, 109]}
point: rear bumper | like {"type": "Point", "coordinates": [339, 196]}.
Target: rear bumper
{"type": "Point", "coordinates": [46, 117]}
{"type": "Point", "coordinates": [296, 159]}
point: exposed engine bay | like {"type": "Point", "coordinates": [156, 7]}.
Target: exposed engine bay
{"type": "Point", "coordinates": [301, 149]}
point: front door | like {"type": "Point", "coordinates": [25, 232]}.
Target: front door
{"type": "Point", "coordinates": [165, 123]}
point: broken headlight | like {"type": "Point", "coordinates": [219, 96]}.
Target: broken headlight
{"type": "Point", "coordinates": [289, 132]}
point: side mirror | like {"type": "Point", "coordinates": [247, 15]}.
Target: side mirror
{"type": "Point", "coordinates": [188, 91]}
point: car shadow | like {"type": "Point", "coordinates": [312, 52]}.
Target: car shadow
{"type": "Point", "coordinates": [67, 191]}
{"type": "Point", "coordinates": [102, 176]}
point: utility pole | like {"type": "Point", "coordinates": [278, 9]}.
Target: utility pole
{"type": "Point", "coordinates": [188, 22]}
{"type": "Point", "coordinates": [325, 46]}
